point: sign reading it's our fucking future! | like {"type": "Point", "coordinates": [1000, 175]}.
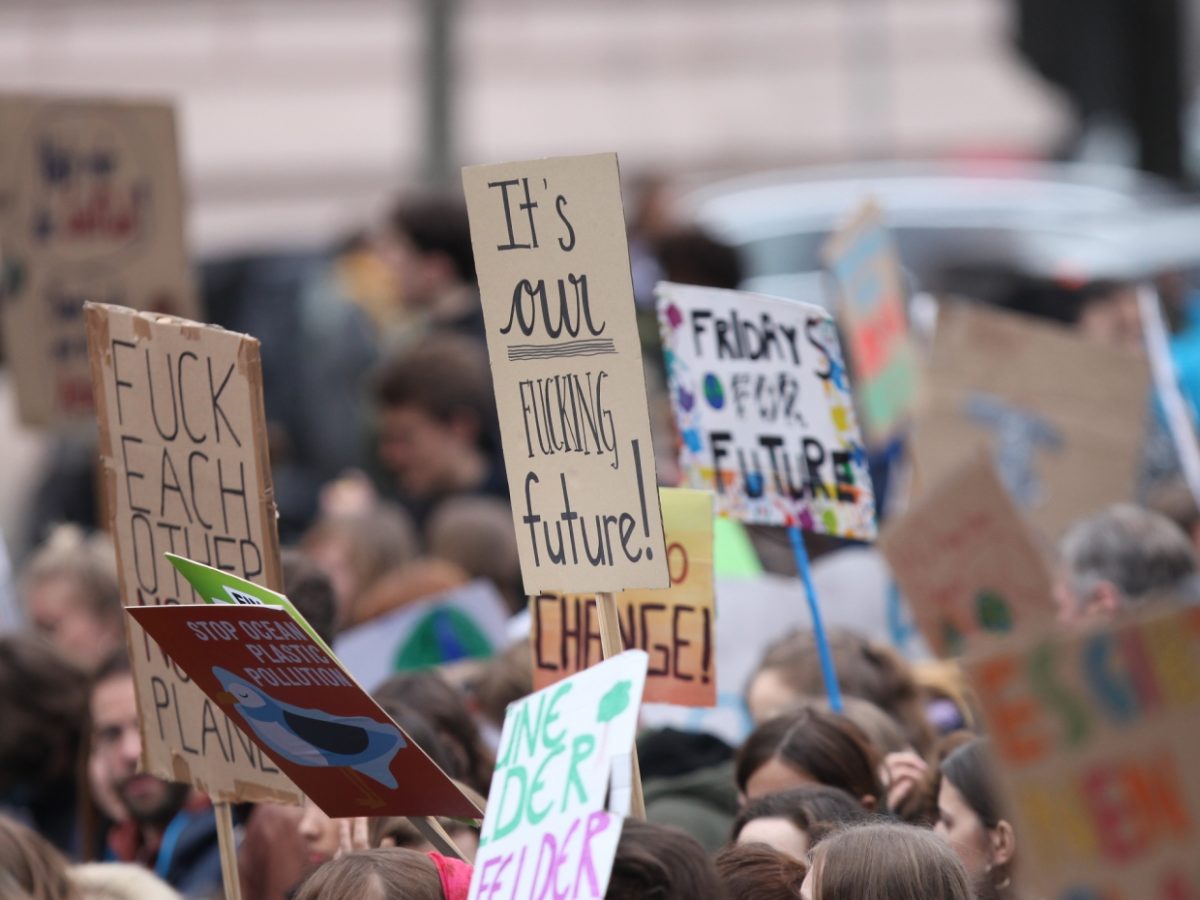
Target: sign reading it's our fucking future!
{"type": "Point", "coordinates": [553, 265]}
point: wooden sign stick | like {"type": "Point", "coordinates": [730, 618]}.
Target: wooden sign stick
{"type": "Point", "coordinates": [431, 829]}
{"type": "Point", "coordinates": [611, 644]}
{"type": "Point", "coordinates": [228, 849]}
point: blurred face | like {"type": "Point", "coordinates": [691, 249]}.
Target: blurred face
{"type": "Point", "coordinates": [779, 833]}
{"type": "Point", "coordinates": [768, 696]}
{"type": "Point", "coordinates": [320, 834]}
{"type": "Point", "coordinates": [415, 274]}
{"type": "Point", "coordinates": [59, 610]}
{"type": "Point", "coordinates": [425, 454]}
{"type": "Point", "coordinates": [116, 753]}
{"type": "Point", "coordinates": [958, 824]}
{"type": "Point", "coordinates": [774, 776]}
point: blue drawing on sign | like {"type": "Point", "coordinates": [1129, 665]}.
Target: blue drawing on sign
{"type": "Point", "coordinates": [1019, 435]}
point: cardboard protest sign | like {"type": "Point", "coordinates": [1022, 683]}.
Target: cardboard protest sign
{"type": "Point", "coordinates": [1095, 736]}
{"type": "Point", "coordinates": [1062, 416]}
{"type": "Point", "coordinates": [546, 829]}
{"type": "Point", "coordinates": [91, 209]}
{"type": "Point", "coordinates": [185, 470]}
{"type": "Point", "coordinates": [967, 562]}
{"type": "Point", "coordinates": [675, 626]}
{"type": "Point", "coordinates": [553, 265]}
{"type": "Point", "coordinates": [297, 703]}
{"type": "Point", "coordinates": [764, 410]}
{"type": "Point", "coordinates": [468, 622]}
{"type": "Point", "coordinates": [866, 270]}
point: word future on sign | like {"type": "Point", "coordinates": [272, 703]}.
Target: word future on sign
{"type": "Point", "coordinates": [550, 249]}
{"type": "Point", "coordinates": [184, 450]}
{"type": "Point", "coordinates": [763, 403]}
{"type": "Point", "coordinates": [547, 832]}
{"type": "Point", "coordinates": [675, 626]}
{"type": "Point", "coordinates": [91, 209]}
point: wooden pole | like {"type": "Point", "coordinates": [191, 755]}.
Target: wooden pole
{"type": "Point", "coordinates": [431, 829]}
{"type": "Point", "coordinates": [228, 848]}
{"type": "Point", "coordinates": [611, 644]}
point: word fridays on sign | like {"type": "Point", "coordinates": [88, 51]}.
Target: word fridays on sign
{"type": "Point", "coordinates": [184, 452]}
{"type": "Point", "coordinates": [1095, 736]}
{"type": "Point", "coordinates": [1063, 417]}
{"type": "Point", "coordinates": [675, 626]}
{"type": "Point", "coordinates": [549, 239]}
{"type": "Point", "coordinates": [547, 832]}
{"type": "Point", "coordinates": [296, 702]}
{"type": "Point", "coordinates": [865, 266]}
{"type": "Point", "coordinates": [764, 410]}
{"type": "Point", "coordinates": [967, 563]}
{"type": "Point", "coordinates": [91, 208]}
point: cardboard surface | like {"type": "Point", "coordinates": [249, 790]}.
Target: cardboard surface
{"type": "Point", "coordinates": [864, 264]}
{"type": "Point", "coordinates": [762, 399]}
{"type": "Point", "coordinates": [553, 265]}
{"type": "Point", "coordinates": [1063, 417]}
{"type": "Point", "coordinates": [1095, 736]}
{"type": "Point", "coordinates": [185, 470]}
{"type": "Point", "coordinates": [296, 702]}
{"type": "Point", "coordinates": [91, 209]}
{"type": "Point", "coordinates": [676, 626]}
{"type": "Point", "coordinates": [967, 563]}
{"type": "Point", "coordinates": [547, 831]}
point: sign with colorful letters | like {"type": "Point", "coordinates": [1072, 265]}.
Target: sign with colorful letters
{"type": "Point", "coordinates": [675, 626]}
{"type": "Point", "coordinates": [547, 831]}
{"type": "Point", "coordinates": [1095, 736]}
{"type": "Point", "coordinates": [296, 702]}
{"type": "Point", "coordinates": [553, 264]}
{"type": "Point", "coordinates": [764, 409]}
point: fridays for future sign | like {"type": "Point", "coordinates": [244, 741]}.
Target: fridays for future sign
{"type": "Point", "coordinates": [553, 265]}
{"type": "Point", "coordinates": [764, 409]}
{"type": "Point", "coordinates": [547, 831]}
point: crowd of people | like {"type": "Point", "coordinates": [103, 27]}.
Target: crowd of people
{"type": "Point", "coordinates": [392, 489]}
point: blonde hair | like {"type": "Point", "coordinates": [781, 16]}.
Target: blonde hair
{"type": "Point", "coordinates": [120, 881]}
{"type": "Point", "coordinates": [90, 560]}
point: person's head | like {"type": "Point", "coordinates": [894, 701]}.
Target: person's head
{"type": "Point", "coordinates": [310, 591]}
{"type": "Point", "coordinates": [661, 862]}
{"type": "Point", "coordinates": [43, 701]}
{"type": "Point", "coordinates": [69, 589]}
{"type": "Point", "coordinates": [760, 871]}
{"type": "Point", "coordinates": [899, 862]}
{"type": "Point", "coordinates": [319, 833]}
{"type": "Point", "coordinates": [1107, 313]}
{"type": "Point", "coordinates": [690, 255]}
{"type": "Point", "coordinates": [796, 820]}
{"type": "Point", "coordinates": [36, 867]}
{"type": "Point", "coordinates": [1116, 558]}
{"type": "Point", "coordinates": [383, 874]}
{"type": "Point", "coordinates": [972, 821]}
{"type": "Point", "coordinates": [791, 670]}
{"type": "Point", "coordinates": [428, 245]}
{"type": "Point", "coordinates": [116, 744]}
{"type": "Point", "coordinates": [477, 535]}
{"type": "Point", "coordinates": [436, 415]}
{"type": "Point", "coordinates": [120, 881]}
{"type": "Point", "coordinates": [355, 549]}
{"type": "Point", "coordinates": [444, 708]}
{"type": "Point", "coordinates": [809, 747]}
{"type": "Point", "coordinates": [505, 679]}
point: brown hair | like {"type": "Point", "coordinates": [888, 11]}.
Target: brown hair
{"type": "Point", "coordinates": [476, 534]}
{"type": "Point", "coordinates": [391, 873]}
{"type": "Point", "coordinates": [36, 867]}
{"type": "Point", "coordinates": [815, 809]}
{"type": "Point", "coordinates": [661, 863]}
{"type": "Point", "coordinates": [865, 669]}
{"type": "Point", "coordinates": [759, 871]}
{"type": "Point", "coordinates": [900, 862]}
{"type": "Point", "coordinates": [826, 746]}
{"type": "Point", "coordinates": [437, 223]}
{"type": "Point", "coordinates": [506, 678]}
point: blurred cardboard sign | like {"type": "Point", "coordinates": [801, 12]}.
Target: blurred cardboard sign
{"type": "Point", "coordinates": [91, 209]}
{"type": "Point", "coordinates": [300, 706]}
{"type": "Point", "coordinates": [553, 265]}
{"type": "Point", "coordinates": [967, 563]}
{"type": "Point", "coordinates": [1094, 734]}
{"type": "Point", "coordinates": [467, 622]}
{"type": "Point", "coordinates": [1063, 417]}
{"type": "Point", "coordinates": [675, 626]}
{"type": "Point", "coordinates": [185, 470]}
{"type": "Point", "coordinates": [547, 831]}
{"type": "Point", "coordinates": [763, 404]}
{"type": "Point", "coordinates": [865, 267]}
